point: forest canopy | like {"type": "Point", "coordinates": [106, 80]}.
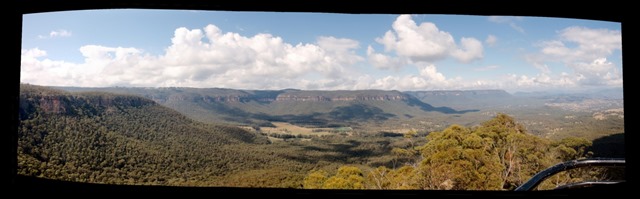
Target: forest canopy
{"type": "Point", "coordinates": [100, 137]}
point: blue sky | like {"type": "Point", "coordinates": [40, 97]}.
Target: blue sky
{"type": "Point", "coordinates": [262, 50]}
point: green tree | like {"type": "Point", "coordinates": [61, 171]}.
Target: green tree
{"type": "Point", "coordinates": [457, 159]}
{"type": "Point", "coordinates": [315, 179]}
{"type": "Point", "coordinates": [572, 148]}
{"type": "Point", "coordinates": [378, 178]}
{"type": "Point", "coordinates": [520, 154]}
{"type": "Point", "coordinates": [405, 177]}
{"type": "Point", "coordinates": [348, 177]}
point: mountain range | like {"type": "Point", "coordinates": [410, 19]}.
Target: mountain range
{"type": "Point", "coordinates": [318, 108]}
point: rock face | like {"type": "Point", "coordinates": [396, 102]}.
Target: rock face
{"type": "Point", "coordinates": [221, 95]}
{"type": "Point", "coordinates": [283, 96]}
{"type": "Point", "coordinates": [288, 97]}
{"type": "Point", "coordinates": [50, 101]}
{"type": "Point", "coordinates": [51, 104]}
{"type": "Point", "coordinates": [327, 96]}
{"type": "Point", "coordinates": [459, 93]}
{"type": "Point", "coordinates": [228, 98]}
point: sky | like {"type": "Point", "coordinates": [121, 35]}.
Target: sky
{"type": "Point", "coordinates": [318, 51]}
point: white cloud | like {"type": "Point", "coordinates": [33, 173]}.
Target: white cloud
{"type": "Point", "coordinates": [381, 61]}
{"type": "Point", "coordinates": [471, 50]}
{"type": "Point", "coordinates": [111, 66]}
{"type": "Point", "coordinates": [56, 33]}
{"type": "Point", "coordinates": [36, 69]}
{"type": "Point", "coordinates": [598, 72]}
{"type": "Point", "coordinates": [491, 40]}
{"type": "Point", "coordinates": [598, 40]}
{"type": "Point", "coordinates": [420, 43]}
{"type": "Point", "coordinates": [413, 43]}
{"type": "Point", "coordinates": [597, 67]}
{"type": "Point", "coordinates": [337, 44]}
{"type": "Point", "coordinates": [33, 53]}
{"type": "Point", "coordinates": [430, 72]}
{"type": "Point", "coordinates": [545, 81]}
{"type": "Point", "coordinates": [427, 79]}
{"type": "Point", "coordinates": [584, 51]}
{"type": "Point", "coordinates": [508, 20]}
{"type": "Point", "coordinates": [591, 44]}
{"type": "Point", "coordinates": [209, 57]}
{"type": "Point", "coordinates": [203, 58]}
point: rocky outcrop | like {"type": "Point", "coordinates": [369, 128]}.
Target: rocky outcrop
{"type": "Point", "coordinates": [345, 96]}
{"type": "Point", "coordinates": [222, 95]}
{"type": "Point", "coordinates": [51, 101]}
{"type": "Point", "coordinates": [228, 98]}
{"type": "Point", "coordinates": [467, 93]}
{"type": "Point", "coordinates": [286, 96]}
{"type": "Point", "coordinates": [52, 104]}
{"type": "Point", "coordinates": [298, 98]}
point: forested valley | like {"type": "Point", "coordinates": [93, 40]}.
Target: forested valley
{"type": "Point", "coordinates": [101, 137]}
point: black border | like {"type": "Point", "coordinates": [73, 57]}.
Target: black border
{"type": "Point", "coordinates": [615, 11]}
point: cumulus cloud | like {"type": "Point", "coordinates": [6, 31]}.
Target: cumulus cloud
{"type": "Point", "coordinates": [512, 21]}
{"type": "Point", "coordinates": [337, 44]}
{"type": "Point", "coordinates": [56, 33]}
{"type": "Point", "coordinates": [421, 43]}
{"type": "Point", "coordinates": [428, 78]}
{"type": "Point", "coordinates": [584, 51]}
{"type": "Point", "coordinates": [491, 40]}
{"type": "Point", "coordinates": [590, 44]}
{"type": "Point", "coordinates": [598, 72]}
{"type": "Point", "coordinates": [542, 80]}
{"type": "Point", "coordinates": [381, 61]}
{"type": "Point", "coordinates": [205, 57]}
{"type": "Point", "coordinates": [33, 53]}
{"type": "Point", "coordinates": [210, 57]}
{"type": "Point", "coordinates": [596, 40]}
{"type": "Point", "coordinates": [471, 49]}
{"type": "Point", "coordinates": [427, 43]}
{"type": "Point", "coordinates": [430, 72]}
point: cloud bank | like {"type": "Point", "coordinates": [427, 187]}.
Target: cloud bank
{"type": "Point", "coordinates": [210, 57]}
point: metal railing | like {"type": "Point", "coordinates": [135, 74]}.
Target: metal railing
{"type": "Point", "coordinates": [532, 183]}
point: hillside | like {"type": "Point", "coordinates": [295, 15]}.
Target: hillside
{"type": "Point", "coordinates": [124, 139]}
{"type": "Point", "coordinates": [108, 138]}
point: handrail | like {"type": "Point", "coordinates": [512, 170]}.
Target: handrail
{"type": "Point", "coordinates": [573, 164]}
{"type": "Point", "coordinates": [587, 184]}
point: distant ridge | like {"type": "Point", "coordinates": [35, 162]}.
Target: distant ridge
{"type": "Point", "coordinates": [238, 95]}
{"type": "Point", "coordinates": [312, 106]}
{"type": "Point", "coordinates": [463, 98]}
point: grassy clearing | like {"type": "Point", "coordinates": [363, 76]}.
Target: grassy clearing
{"type": "Point", "coordinates": [273, 139]}
{"type": "Point", "coordinates": [287, 128]}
